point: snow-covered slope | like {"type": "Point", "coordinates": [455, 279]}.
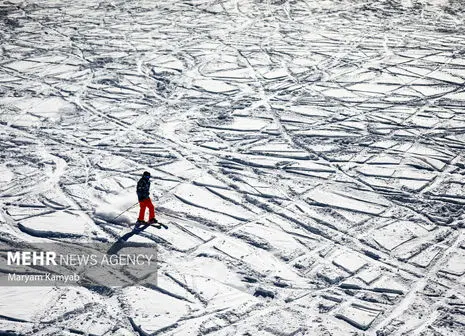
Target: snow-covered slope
{"type": "Point", "coordinates": [307, 157]}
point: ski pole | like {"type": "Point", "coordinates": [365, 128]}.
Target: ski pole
{"type": "Point", "coordinates": [132, 206]}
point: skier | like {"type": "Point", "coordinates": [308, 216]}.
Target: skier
{"type": "Point", "coordinates": [143, 194]}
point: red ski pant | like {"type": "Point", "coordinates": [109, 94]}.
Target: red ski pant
{"type": "Point", "coordinates": [147, 203]}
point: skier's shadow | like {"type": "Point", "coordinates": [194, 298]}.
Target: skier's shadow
{"type": "Point", "coordinates": [119, 244]}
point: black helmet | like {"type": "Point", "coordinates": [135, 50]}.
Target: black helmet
{"type": "Point", "coordinates": [146, 174]}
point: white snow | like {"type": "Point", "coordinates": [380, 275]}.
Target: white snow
{"type": "Point", "coordinates": [57, 223]}
{"type": "Point", "coordinates": [25, 302]}
{"type": "Point", "coordinates": [350, 262]}
{"type": "Point", "coordinates": [306, 156]}
{"type": "Point", "coordinates": [344, 201]}
{"type": "Point", "coordinates": [215, 86]}
{"type": "Point", "coordinates": [243, 125]}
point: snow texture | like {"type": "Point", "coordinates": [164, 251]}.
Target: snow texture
{"type": "Point", "coordinates": [307, 156]}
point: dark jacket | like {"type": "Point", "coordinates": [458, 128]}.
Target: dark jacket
{"type": "Point", "coordinates": [143, 189]}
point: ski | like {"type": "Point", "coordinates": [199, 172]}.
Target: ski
{"type": "Point", "coordinates": [157, 225]}
{"type": "Point", "coordinates": [162, 225]}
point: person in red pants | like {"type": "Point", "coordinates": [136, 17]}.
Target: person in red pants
{"type": "Point", "coordinates": [143, 194]}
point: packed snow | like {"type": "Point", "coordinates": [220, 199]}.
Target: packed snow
{"type": "Point", "coordinates": [306, 156]}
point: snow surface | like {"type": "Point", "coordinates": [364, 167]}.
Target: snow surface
{"type": "Point", "coordinates": [307, 156]}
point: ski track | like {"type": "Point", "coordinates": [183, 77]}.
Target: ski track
{"type": "Point", "coordinates": [253, 117]}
